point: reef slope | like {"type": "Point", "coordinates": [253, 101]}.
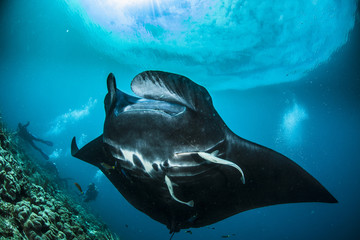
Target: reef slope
{"type": "Point", "coordinates": [32, 206]}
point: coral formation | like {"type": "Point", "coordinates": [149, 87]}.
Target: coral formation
{"type": "Point", "coordinates": [33, 207]}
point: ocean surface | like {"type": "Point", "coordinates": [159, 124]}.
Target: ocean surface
{"type": "Point", "coordinates": [284, 74]}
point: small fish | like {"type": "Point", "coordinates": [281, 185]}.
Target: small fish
{"type": "Point", "coordinates": [188, 231]}
{"type": "Point", "coordinates": [126, 225]}
{"type": "Point", "coordinates": [107, 166]}
{"type": "Point", "coordinates": [79, 187]}
{"type": "Point", "coordinates": [227, 236]}
{"type": "Point", "coordinates": [213, 228]}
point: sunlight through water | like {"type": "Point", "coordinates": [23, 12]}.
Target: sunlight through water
{"type": "Point", "coordinates": [222, 43]}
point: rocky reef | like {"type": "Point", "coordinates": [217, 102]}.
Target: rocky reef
{"type": "Point", "coordinates": [33, 206]}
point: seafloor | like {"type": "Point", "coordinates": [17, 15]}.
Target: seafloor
{"type": "Point", "coordinates": [35, 205]}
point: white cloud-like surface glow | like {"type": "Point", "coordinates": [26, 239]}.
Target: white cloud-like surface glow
{"type": "Point", "coordinates": [223, 43]}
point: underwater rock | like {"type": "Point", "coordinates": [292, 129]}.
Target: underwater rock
{"type": "Point", "coordinates": [34, 207]}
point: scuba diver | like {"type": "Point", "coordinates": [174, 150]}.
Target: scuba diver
{"type": "Point", "coordinates": [24, 134]}
{"type": "Point", "coordinates": [90, 194]}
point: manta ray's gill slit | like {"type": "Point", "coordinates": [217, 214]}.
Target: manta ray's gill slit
{"type": "Point", "coordinates": [118, 156]}
{"type": "Point", "coordinates": [114, 149]}
{"type": "Point", "coordinates": [155, 166]}
{"type": "Point", "coordinates": [171, 191]}
{"type": "Point", "coordinates": [136, 160]}
{"type": "Point", "coordinates": [126, 157]}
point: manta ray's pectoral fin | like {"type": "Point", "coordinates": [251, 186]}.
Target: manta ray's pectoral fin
{"type": "Point", "coordinates": [92, 152]}
{"type": "Point", "coordinates": [171, 191]}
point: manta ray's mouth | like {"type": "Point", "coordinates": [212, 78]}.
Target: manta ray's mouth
{"type": "Point", "coordinates": [159, 107]}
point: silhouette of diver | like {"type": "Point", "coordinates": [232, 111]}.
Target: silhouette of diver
{"type": "Point", "coordinates": [24, 134]}
{"type": "Point", "coordinates": [91, 193]}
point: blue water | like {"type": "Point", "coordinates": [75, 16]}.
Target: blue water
{"type": "Point", "coordinates": [283, 74]}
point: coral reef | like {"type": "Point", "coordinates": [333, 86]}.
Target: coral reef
{"type": "Point", "coordinates": [32, 206]}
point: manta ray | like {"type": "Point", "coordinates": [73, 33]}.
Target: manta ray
{"type": "Point", "coordinates": [171, 156]}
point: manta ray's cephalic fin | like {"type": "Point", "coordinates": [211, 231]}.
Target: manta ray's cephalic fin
{"type": "Point", "coordinates": [170, 87]}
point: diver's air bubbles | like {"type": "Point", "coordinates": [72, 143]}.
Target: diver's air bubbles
{"type": "Point", "coordinates": [56, 153]}
{"type": "Point", "coordinates": [290, 130]}
{"type": "Point", "coordinates": [61, 122]}
{"type": "Point", "coordinates": [82, 140]}
{"type": "Point", "coordinates": [99, 176]}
